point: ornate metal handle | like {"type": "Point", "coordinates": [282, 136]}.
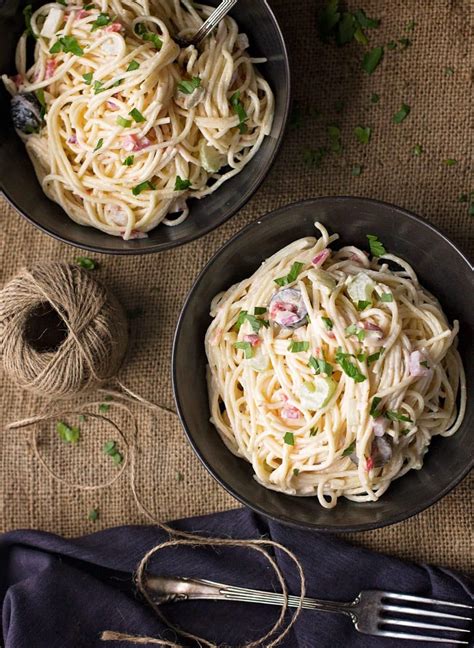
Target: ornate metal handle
{"type": "Point", "coordinates": [165, 589]}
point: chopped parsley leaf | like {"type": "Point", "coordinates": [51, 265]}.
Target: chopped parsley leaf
{"type": "Point", "coordinates": [375, 403]}
{"type": "Point", "coordinates": [405, 42]}
{"type": "Point", "coordinates": [291, 276]}
{"type": "Point", "coordinates": [40, 96]}
{"type": "Point", "coordinates": [386, 297]}
{"type": "Point", "coordinates": [397, 416]}
{"type": "Point", "coordinates": [363, 134]}
{"type": "Point", "coordinates": [364, 21]}
{"type": "Point", "coordinates": [67, 433]}
{"type": "Point", "coordinates": [259, 310]}
{"type": "Point", "coordinates": [142, 187]}
{"type": "Point", "coordinates": [99, 87]}
{"type": "Point", "coordinates": [296, 472]}
{"type": "Point", "coordinates": [349, 368]}
{"type": "Point", "coordinates": [289, 438]}
{"type": "Point", "coordinates": [188, 87]}
{"type": "Point", "coordinates": [313, 431]}
{"type": "Point", "coordinates": [360, 37]}
{"type": "Point", "coordinates": [98, 145]}
{"type": "Point", "coordinates": [345, 29]}
{"type": "Point", "coordinates": [314, 157]}
{"type": "Point", "coordinates": [401, 114]}
{"type": "Point", "coordinates": [86, 263]}
{"type": "Point", "coordinates": [238, 108]}
{"type": "Point", "coordinates": [246, 348]}
{"type": "Point", "coordinates": [362, 304]}
{"type": "Point", "coordinates": [240, 320]}
{"type": "Point", "coordinates": [373, 357]}
{"type": "Point", "coordinates": [320, 366]}
{"type": "Point", "coordinates": [448, 71]}
{"type": "Point", "coordinates": [181, 185]}
{"type": "Point", "coordinates": [137, 116]}
{"type": "Point", "coordinates": [27, 13]}
{"type": "Point", "coordinates": [87, 77]}
{"type": "Point", "coordinates": [102, 20]}
{"type": "Point", "coordinates": [376, 247]}
{"type": "Point", "coordinates": [68, 45]}
{"type": "Point", "coordinates": [356, 170]}
{"type": "Point", "coordinates": [298, 347]}
{"type": "Point", "coordinates": [417, 150]}
{"type": "Point", "coordinates": [110, 449]}
{"type": "Point", "coordinates": [349, 450]}
{"type": "Point", "coordinates": [328, 19]}
{"type": "Point", "coordinates": [424, 363]}
{"type": "Point", "coordinates": [450, 162]}
{"type": "Point", "coordinates": [149, 36]}
{"type": "Point", "coordinates": [93, 515]}
{"type": "Point", "coordinates": [125, 123]}
{"type": "Point", "coordinates": [372, 59]}
{"type": "Point", "coordinates": [353, 329]}
{"type": "Point", "coordinates": [256, 323]}
{"type": "Point", "coordinates": [328, 323]}
{"type": "Point", "coordinates": [128, 160]}
{"type": "Point", "coordinates": [133, 65]}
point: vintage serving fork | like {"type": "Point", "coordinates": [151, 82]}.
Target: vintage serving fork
{"type": "Point", "coordinates": [373, 612]}
{"type": "Point", "coordinates": [209, 25]}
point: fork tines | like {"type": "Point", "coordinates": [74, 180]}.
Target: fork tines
{"type": "Point", "coordinates": [393, 605]}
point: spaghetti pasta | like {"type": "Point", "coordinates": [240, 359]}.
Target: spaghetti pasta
{"type": "Point", "coordinates": [330, 372]}
{"type": "Point", "coordinates": [133, 125]}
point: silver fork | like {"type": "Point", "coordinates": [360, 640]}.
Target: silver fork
{"type": "Point", "coordinates": [209, 25]}
{"type": "Point", "coordinates": [373, 612]}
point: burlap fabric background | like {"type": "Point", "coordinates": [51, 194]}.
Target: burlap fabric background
{"type": "Point", "coordinates": [155, 286]}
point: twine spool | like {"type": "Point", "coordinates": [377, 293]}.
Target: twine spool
{"type": "Point", "coordinates": [61, 332]}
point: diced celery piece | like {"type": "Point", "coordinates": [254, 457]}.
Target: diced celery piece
{"type": "Point", "coordinates": [317, 394]}
{"type": "Point", "coordinates": [260, 360]}
{"type": "Point", "coordinates": [211, 159]}
{"type": "Point", "coordinates": [323, 280]}
{"type": "Point", "coordinates": [361, 288]}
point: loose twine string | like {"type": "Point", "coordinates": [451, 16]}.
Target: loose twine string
{"type": "Point", "coordinates": [88, 358]}
{"type": "Point", "coordinates": [280, 628]}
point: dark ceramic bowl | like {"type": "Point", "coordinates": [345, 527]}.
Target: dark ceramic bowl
{"type": "Point", "coordinates": [18, 180]}
{"type": "Point", "coordinates": [441, 267]}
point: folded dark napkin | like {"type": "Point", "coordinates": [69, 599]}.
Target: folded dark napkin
{"type": "Point", "coordinates": [59, 593]}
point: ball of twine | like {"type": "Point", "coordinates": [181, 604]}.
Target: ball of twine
{"type": "Point", "coordinates": [61, 332]}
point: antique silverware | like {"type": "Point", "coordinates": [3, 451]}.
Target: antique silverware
{"type": "Point", "coordinates": [373, 612]}
{"type": "Point", "coordinates": [211, 23]}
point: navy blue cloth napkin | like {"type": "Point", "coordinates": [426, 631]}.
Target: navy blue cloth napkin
{"type": "Point", "coordinates": [60, 593]}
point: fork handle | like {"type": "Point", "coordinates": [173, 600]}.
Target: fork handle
{"type": "Point", "coordinates": [165, 589]}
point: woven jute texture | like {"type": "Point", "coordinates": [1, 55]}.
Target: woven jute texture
{"type": "Point", "coordinates": [155, 286]}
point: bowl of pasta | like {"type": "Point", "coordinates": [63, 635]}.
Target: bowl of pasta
{"type": "Point", "coordinates": [116, 138]}
{"type": "Point", "coordinates": [328, 345]}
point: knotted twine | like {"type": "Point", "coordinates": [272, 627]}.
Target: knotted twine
{"type": "Point", "coordinates": [90, 355]}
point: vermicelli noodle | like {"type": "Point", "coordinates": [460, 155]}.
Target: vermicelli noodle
{"type": "Point", "coordinates": [133, 125]}
{"type": "Point", "coordinates": [330, 372]}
